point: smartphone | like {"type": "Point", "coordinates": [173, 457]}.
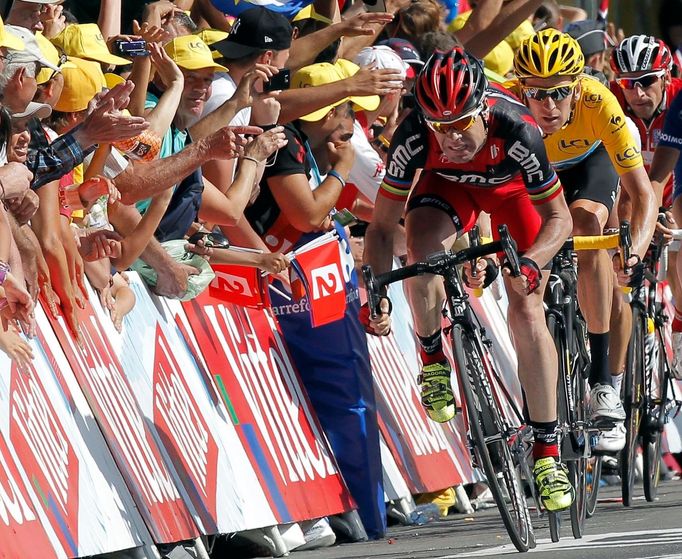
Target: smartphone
{"type": "Point", "coordinates": [131, 48]}
{"type": "Point", "coordinates": [280, 81]}
{"type": "Point", "coordinates": [375, 5]}
{"type": "Point", "coordinates": [344, 217]}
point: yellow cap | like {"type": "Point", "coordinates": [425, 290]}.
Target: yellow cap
{"type": "Point", "coordinates": [324, 73]}
{"type": "Point", "coordinates": [309, 13]}
{"type": "Point", "coordinates": [191, 53]}
{"type": "Point", "coordinates": [81, 84]}
{"type": "Point", "coordinates": [85, 41]}
{"type": "Point", "coordinates": [210, 36]}
{"type": "Point", "coordinates": [112, 80]}
{"type": "Point", "coordinates": [52, 55]}
{"type": "Point", "coordinates": [10, 40]}
{"type": "Point", "coordinates": [501, 59]}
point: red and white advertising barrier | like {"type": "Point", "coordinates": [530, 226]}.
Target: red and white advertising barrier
{"type": "Point", "coordinates": [49, 429]}
{"type": "Point", "coordinates": [246, 356]}
{"type": "Point", "coordinates": [192, 424]}
{"type": "Point", "coordinates": [114, 404]}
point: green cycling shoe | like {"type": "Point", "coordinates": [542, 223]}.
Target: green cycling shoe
{"type": "Point", "coordinates": [551, 479]}
{"type": "Point", "coordinates": [436, 391]}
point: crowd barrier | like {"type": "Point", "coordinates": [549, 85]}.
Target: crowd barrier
{"type": "Point", "coordinates": [193, 422]}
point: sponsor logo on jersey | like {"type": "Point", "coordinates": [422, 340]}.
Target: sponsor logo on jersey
{"type": "Point", "coordinates": [617, 122]}
{"type": "Point", "coordinates": [670, 139]}
{"type": "Point", "coordinates": [570, 146]}
{"type": "Point", "coordinates": [402, 155]}
{"type": "Point", "coordinates": [494, 151]}
{"type": "Point", "coordinates": [528, 161]}
{"type": "Point", "coordinates": [592, 100]}
{"type": "Point", "coordinates": [629, 157]}
{"type": "Point", "coordinates": [656, 136]}
{"type": "Point", "coordinates": [476, 178]}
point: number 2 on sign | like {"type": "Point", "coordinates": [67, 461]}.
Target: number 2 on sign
{"type": "Point", "coordinates": [326, 281]}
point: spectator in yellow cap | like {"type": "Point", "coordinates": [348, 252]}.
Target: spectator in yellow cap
{"type": "Point", "coordinates": [86, 41]}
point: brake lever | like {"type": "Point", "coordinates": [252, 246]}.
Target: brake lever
{"type": "Point", "coordinates": [373, 298]}
{"type": "Point", "coordinates": [509, 248]}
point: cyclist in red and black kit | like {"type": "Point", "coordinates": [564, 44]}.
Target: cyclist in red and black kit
{"type": "Point", "coordinates": [645, 89]}
{"type": "Point", "coordinates": [478, 149]}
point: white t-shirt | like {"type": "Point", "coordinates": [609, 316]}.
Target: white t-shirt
{"type": "Point", "coordinates": [222, 89]}
{"type": "Point", "coordinates": [368, 169]}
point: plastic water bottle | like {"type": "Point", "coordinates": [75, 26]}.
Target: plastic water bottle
{"type": "Point", "coordinates": [424, 513]}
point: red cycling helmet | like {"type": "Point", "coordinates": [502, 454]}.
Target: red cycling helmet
{"type": "Point", "coordinates": [641, 53]}
{"type": "Point", "coordinates": [451, 85]}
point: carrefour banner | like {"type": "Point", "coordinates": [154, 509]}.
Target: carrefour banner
{"type": "Point", "coordinates": [51, 435]}
{"type": "Point", "coordinates": [248, 361]}
{"type": "Point", "coordinates": [190, 421]}
{"type": "Point", "coordinates": [113, 402]}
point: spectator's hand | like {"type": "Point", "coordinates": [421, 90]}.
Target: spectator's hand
{"type": "Point", "coordinates": [111, 42]}
{"type": "Point", "coordinates": [96, 187]}
{"type": "Point", "coordinates": [16, 348]}
{"type": "Point", "coordinates": [273, 262]}
{"type": "Point", "coordinates": [24, 208]}
{"type": "Point", "coordinates": [157, 12]}
{"type": "Point", "coordinates": [370, 81]}
{"type": "Point", "coordinates": [360, 24]}
{"type": "Point", "coordinates": [616, 34]}
{"type": "Point", "coordinates": [150, 33]}
{"type": "Point", "coordinates": [100, 244]}
{"type": "Point", "coordinates": [340, 154]}
{"type": "Point", "coordinates": [19, 302]}
{"type": "Point", "coordinates": [265, 109]}
{"type": "Point", "coordinates": [251, 83]}
{"type": "Point", "coordinates": [15, 180]}
{"type": "Point", "coordinates": [106, 297]}
{"type": "Point", "coordinates": [53, 20]}
{"type": "Point", "coordinates": [228, 142]}
{"type": "Point", "coordinates": [50, 297]}
{"type": "Point", "coordinates": [105, 123]}
{"type": "Point", "coordinates": [264, 145]}
{"type": "Point", "coordinates": [166, 68]}
{"type": "Point", "coordinates": [171, 282]}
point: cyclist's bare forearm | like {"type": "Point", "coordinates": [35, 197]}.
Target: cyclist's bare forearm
{"type": "Point", "coordinates": [380, 234]}
{"type": "Point", "coordinates": [644, 209]}
{"type": "Point", "coordinates": [556, 227]}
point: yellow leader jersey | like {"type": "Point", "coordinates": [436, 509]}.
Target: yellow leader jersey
{"type": "Point", "coordinates": [597, 118]}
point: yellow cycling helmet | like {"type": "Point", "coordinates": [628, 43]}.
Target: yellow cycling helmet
{"type": "Point", "coordinates": [548, 53]}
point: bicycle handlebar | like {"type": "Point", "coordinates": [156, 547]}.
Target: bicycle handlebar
{"type": "Point", "coordinates": [438, 264]}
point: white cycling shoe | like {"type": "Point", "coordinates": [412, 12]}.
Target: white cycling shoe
{"type": "Point", "coordinates": [676, 367]}
{"type": "Point", "coordinates": [605, 403]}
{"type": "Point", "coordinates": [611, 441]}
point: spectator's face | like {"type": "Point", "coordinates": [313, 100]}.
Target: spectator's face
{"type": "Point", "coordinates": [27, 14]}
{"type": "Point", "coordinates": [18, 144]}
{"type": "Point", "coordinates": [644, 100]}
{"type": "Point", "coordinates": [19, 91]}
{"type": "Point", "coordinates": [196, 92]}
{"type": "Point", "coordinates": [462, 146]}
{"type": "Point", "coordinates": [280, 58]}
{"type": "Point", "coordinates": [339, 128]}
{"type": "Point", "coordinates": [550, 113]}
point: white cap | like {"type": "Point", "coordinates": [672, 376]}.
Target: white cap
{"type": "Point", "coordinates": [39, 110]}
{"type": "Point", "coordinates": [32, 52]}
{"type": "Point", "coordinates": [382, 57]}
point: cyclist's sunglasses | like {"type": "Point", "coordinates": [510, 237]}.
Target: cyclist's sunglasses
{"type": "Point", "coordinates": [558, 93]}
{"type": "Point", "coordinates": [647, 80]}
{"type": "Point", "coordinates": [459, 125]}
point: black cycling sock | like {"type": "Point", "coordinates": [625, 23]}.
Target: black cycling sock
{"type": "Point", "coordinates": [546, 439]}
{"type": "Point", "coordinates": [431, 348]}
{"type": "Point", "coordinates": [599, 350]}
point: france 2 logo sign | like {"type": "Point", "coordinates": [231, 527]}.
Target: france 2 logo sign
{"type": "Point", "coordinates": [326, 281]}
{"type": "Point", "coordinates": [240, 285]}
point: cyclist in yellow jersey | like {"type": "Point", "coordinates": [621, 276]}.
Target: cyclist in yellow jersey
{"type": "Point", "coordinates": [590, 145]}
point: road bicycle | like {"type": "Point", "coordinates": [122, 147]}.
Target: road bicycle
{"type": "Point", "coordinates": [494, 423]}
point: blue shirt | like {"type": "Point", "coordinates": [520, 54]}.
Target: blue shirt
{"type": "Point", "coordinates": [672, 137]}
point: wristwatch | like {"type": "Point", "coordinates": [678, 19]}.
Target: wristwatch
{"type": "Point", "coordinates": [4, 270]}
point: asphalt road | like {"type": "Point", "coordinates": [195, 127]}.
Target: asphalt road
{"type": "Point", "coordinates": [646, 530]}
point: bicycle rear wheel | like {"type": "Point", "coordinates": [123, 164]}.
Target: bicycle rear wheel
{"type": "Point", "coordinates": [633, 392]}
{"type": "Point", "coordinates": [651, 430]}
{"type": "Point", "coordinates": [593, 488]}
{"type": "Point", "coordinates": [490, 437]}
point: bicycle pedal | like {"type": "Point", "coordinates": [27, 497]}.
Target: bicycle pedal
{"type": "Point", "coordinates": [603, 424]}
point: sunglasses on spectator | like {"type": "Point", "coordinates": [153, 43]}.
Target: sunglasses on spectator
{"type": "Point", "coordinates": [460, 125]}
{"type": "Point", "coordinates": [211, 240]}
{"type": "Point", "coordinates": [62, 60]}
{"type": "Point", "coordinates": [557, 93]}
{"type": "Point", "coordinates": [647, 80]}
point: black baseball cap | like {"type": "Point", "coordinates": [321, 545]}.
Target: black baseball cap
{"type": "Point", "coordinates": [256, 29]}
{"type": "Point", "coordinates": [406, 50]}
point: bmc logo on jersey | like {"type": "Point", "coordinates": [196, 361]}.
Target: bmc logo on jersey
{"type": "Point", "coordinates": [527, 159]}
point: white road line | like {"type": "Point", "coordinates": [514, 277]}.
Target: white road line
{"type": "Point", "coordinates": [592, 541]}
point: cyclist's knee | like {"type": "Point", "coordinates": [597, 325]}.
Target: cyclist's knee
{"type": "Point", "coordinates": [586, 223]}
{"type": "Point", "coordinates": [526, 313]}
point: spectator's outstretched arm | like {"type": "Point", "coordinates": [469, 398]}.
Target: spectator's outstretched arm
{"type": "Point", "coordinates": [161, 116]}
{"type": "Point", "coordinates": [482, 16]}
{"type": "Point", "coordinates": [142, 66]}
{"type": "Point", "coordinates": [204, 9]}
{"type": "Point", "coordinates": [368, 81]}
{"type": "Point", "coordinates": [509, 18]}
{"type": "Point", "coordinates": [5, 236]}
{"type": "Point", "coordinates": [146, 179]}
{"type": "Point", "coordinates": [305, 50]}
{"type": "Point", "coordinates": [109, 20]}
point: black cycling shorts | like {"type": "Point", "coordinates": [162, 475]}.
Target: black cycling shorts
{"type": "Point", "coordinates": [594, 178]}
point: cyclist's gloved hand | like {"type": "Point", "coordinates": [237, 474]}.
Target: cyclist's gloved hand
{"type": "Point", "coordinates": [633, 275]}
{"type": "Point", "coordinates": [381, 325]}
{"type": "Point", "coordinates": [530, 278]}
{"type": "Point", "coordinates": [486, 272]}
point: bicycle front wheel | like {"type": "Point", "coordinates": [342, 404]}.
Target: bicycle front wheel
{"type": "Point", "coordinates": [491, 437]}
{"type": "Point", "coordinates": [633, 398]}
